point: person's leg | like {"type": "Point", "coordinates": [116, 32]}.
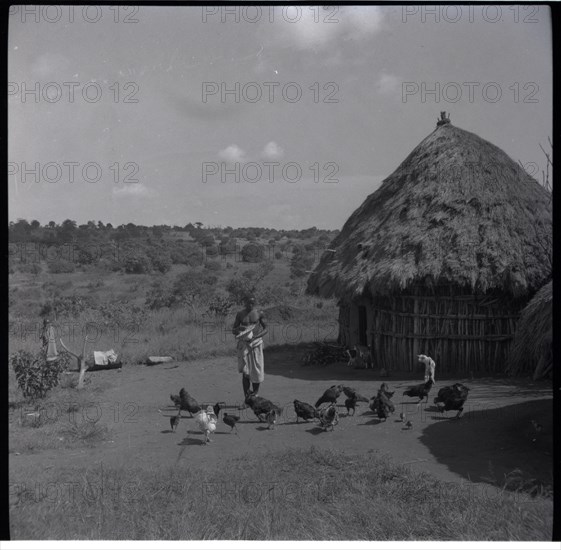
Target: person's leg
{"type": "Point", "coordinates": [245, 383]}
{"type": "Point", "coordinates": [256, 387]}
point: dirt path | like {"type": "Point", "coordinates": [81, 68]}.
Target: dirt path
{"type": "Point", "coordinates": [493, 437]}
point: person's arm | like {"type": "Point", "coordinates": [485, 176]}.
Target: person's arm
{"type": "Point", "coordinates": [236, 328]}
{"type": "Point", "coordinates": [264, 329]}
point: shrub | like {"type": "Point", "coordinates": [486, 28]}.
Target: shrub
{"type": "Point", "coordinates": [161, 260]}
{"type": "Point", "coordinates": [278, 255]}
{"type": "Point", "coordinates": [213, 266]}
{"type": "Point", "coordinates": [252, 253]}
{"type": "Point", "coordinates": [34, 374]}
{"type": "Point", "coordinates": [137, 263]}
{"type": "Point", "coordinates": [32, 268]}
{"type": "Point", "coordinates": [61, 266]}
{"type": "Point", "coordinates": [220, 305]}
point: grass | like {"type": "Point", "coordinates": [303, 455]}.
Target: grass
{"type": "Point", "coordinates": [64, 419]}
{"type": "Point", "coordinates": [291, 495]}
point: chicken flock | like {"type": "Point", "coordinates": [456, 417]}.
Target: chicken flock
{"type": "Point", "coordinates": [324, 411]}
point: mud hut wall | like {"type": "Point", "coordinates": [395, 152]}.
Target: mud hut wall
{"type": "Point", "coordinates": [464, 333]}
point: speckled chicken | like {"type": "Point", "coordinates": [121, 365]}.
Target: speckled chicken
{"type": "Point", "coordinates": [386, 390]}
{"type": "Point", "coordinates": [272, 417]}
{"type": "Point", "coordinates": [330, 395]}
{"type": "Point", "coordinates": [328, 417]}
{"type": "Point", "coordinates": [452, 398]}
{"type": "Point", "coordinates": [382, 405]}
{"type": "Point", "coordinates": [304, 410]}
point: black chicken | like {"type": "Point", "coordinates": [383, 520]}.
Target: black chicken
{"type": "Point", "coordinates": [174, 421]}
{"type": "Point", "coordinates": [420, 390]}
{"type": "Point", "coordinates": [261, 406]}
{"type": "Point", "coordinates": [217, 407]}
{"type": "Point", "coordinates": [452, 398]}
{"type": "Point", "coordinates": [188, 403]}
{"type": "Point", "coordinates": [231, 420]}
{"type": "Point", "coordinates": [328, 417]}
{"type": "Point", "coordinates": [304, 410]}
{"type": "Point", "coordinates": [351, 392]}
{"type": "Point", "coordinates": [176, 400]}
{"type": "Point", "coordinates": [350, 403]}
{"type": "Point", "coordinates": [330, 396]}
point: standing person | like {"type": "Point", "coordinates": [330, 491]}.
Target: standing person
{"type": "Point", "coordinates": [249, 329]}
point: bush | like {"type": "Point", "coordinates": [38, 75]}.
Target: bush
{"type": "Point", "coordinates": [61, 266]}
{"type": "Point", "coordinates": [278, 255]}
{"type": "Point", "coordinates": [137, 263]}
{"type": "Point", "coordinates": [213, 266]}
{"type": "Point", "coordinates": [34, 374]}
{"type": "Point", "coordinates": [252, 253]}
{"type": "Point", "coordinates": [32, 268]}
{"type": "Point", "coordinates": [220, 305]}
{"type": "Point", "coordinates": [158, 296]}
{"type": "Point", "coordinates": [161, 260]}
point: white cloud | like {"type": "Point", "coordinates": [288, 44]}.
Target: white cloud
{"type": "Point", "coordinates": [272, 151]}
{"type": "Point", "coordinates": [388, 84]}
{"type": "Point", "coordinates": [313, 27]}
{"type": "Point", "coordinates": [133, 190]}
{"type": "Point", "coordinates": [232, 153]}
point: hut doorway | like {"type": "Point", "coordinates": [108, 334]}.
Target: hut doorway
{"type": "Point", "coordinates": [362, 326]}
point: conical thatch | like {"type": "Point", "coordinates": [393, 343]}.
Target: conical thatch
{"type": "Point", "coordinates": [531, 350]}
{"type": "Point", "coordinates": [457, 210]}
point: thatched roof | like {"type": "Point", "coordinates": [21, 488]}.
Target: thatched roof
{"type": "Point", "coordinates": [531, 350]}
{"type": "Point", "coordinates": [458, 209]}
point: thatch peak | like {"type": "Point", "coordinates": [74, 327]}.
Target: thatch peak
{"type": "Point", "coordinates": [457, 210]}
{"type": "Point", "coordinates": [443, 119]}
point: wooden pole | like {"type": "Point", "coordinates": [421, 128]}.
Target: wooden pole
{"type": "Point", "coordinates": [81, 360]}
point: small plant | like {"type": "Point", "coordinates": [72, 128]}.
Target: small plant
{"type": "Point", "coordinates": [34, 374]}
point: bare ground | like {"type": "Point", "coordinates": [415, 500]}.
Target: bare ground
{"type": "Point", "coordinates": [493, 438]}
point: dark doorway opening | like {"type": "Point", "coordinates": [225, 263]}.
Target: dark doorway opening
{"type": "Point", "coordinates": [362, 323]}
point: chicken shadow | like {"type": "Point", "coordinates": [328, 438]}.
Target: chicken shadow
{"type": "Point", "coordinates": [192, 441]}
{"type": "Point", "coordinates": [487, 445]}
{"type": "Point", "coordinates": [372, 422]}
{"type": "Point", "coordinates": [316, 430]}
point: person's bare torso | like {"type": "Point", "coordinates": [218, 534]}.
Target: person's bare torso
{"type": "Point", "coordinates": [247, 318]}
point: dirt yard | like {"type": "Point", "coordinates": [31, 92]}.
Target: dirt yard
{"type": "Point", "coordinates": [494, 437]}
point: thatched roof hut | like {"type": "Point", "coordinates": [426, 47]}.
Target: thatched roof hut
{"type": "Point", "coordinates": [531, 350]}
{"type": "Point", "coordinates": [441, 258]}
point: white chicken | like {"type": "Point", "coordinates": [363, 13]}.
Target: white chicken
{"type": "Point", "coordinates": [206, 422]}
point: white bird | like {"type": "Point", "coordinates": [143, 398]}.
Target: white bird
{"type": "Point", "coordinates": [206, 422]}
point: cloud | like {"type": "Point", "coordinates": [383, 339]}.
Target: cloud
{"type": "Point", "coordinates": [388, 84]}
{"type": "Point", "coordinates": [133, 190]}
{"type": "Point", "coordinates": [272, 151]}
{"type": "Point", "coordinates": [232, 153]}
{"type": "Point", "coordinates": [313, 27]}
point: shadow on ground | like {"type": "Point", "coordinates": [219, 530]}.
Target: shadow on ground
{"type": "Point", "coordinates": [487, 445]}
{"type": "Point", "coordinates": [286, 362]}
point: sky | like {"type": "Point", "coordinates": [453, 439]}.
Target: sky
{"type": "Point", "coordinates": [274, 117]}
